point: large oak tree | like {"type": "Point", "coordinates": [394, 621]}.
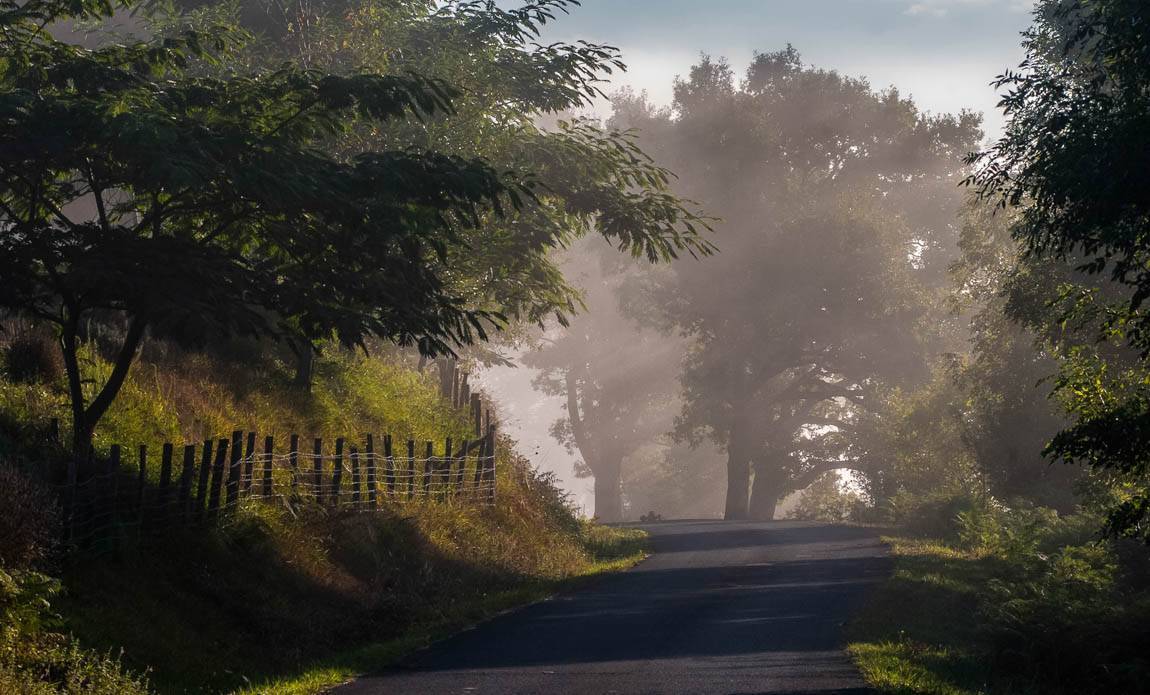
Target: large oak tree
{"type": "Point", "coordinates": [838, 205]}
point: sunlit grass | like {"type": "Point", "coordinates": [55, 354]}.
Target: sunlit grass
{"type": "Point", "coordinates": [917, 632]}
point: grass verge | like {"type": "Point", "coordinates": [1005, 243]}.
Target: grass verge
{"type": "Point", "coordinates": [614, 550]}
{"type": "Point", "coordinates": [275, 605]}
{"type": "Point", "coordinates": [917, 633]}
{"type": "Point", "coordinates": [1014, 608]}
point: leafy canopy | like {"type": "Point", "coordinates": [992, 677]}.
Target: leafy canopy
{"type": "Point", "coordinates": [1073, 159]}
{"type": "Point", "coordinates": [199, 202]}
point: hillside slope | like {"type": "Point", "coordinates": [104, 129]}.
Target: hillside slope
{"type": "Point", "coordinates": [294, 599]}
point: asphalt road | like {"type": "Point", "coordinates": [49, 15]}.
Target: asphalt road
{"type": "Point", "coordinates": [719, 607]}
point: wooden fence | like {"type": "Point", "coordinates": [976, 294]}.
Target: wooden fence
{"type": "Point", "coordinates": [204, 483]}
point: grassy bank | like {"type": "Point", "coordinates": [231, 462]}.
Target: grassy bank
{"type": "Point", "coordinates": [1019, 601]}
{"type": "Point", "coordinates": [289, 600]}
{"type": "Point", "coordinates": [311, 603]}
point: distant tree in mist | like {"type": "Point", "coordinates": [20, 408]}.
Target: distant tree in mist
{"type": "Point", "coordinates": [839, 220]}
{"type": "Point", "coordinates": [617, 380]}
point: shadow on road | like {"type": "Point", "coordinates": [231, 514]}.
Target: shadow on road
{"type": "Point", "coordinates": [712, 607]}
{"type": "Point", "coordinates": [719, 607]}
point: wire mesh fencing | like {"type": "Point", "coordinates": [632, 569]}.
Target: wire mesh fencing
{"type": "Point", "coordinates": [204, 484]}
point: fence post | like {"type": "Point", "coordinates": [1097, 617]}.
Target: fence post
{"type": "Point", "coordinates": [54, 430]}
{"type": "Point", "coordinates": [233, 491]}
{"type": "Point", "coordinates": [249, 463]}
{"type": "Point", "coordinates": [293, 461]}
{"type": "Point", "coordinates": [389, 464]}
{"type": "Point", "coordinates": [337, 473]}
{"type": "Point", "coordinates": [480, 457]}
{"type": "Point", "coordinates": [164, 492]}
{"type": "Point", "coordinates": [217, 477]}
{"type": "Point", "coordinates": [461, 474]}
{"type": "Point", "coordinates": [372, 495]}
{"type": "Point", "coordinates": [202, 486]}
{"type": "Point", "coordinates": [428, 468]}
{"type": "Point", "coordinates": [355, 481]}
{"type": "Point", "coordinates": [491, 466]}
{"type": "Point", "coordinates": [411, 468]}
{"type": "Point", "coordinates": [114, 482]}
{"type": "Point", "coordinates": [317, 470]}
{"type": "Point", "coordinates": [477, 414]}
{"type": "Point", "coordinates": [141, 481]}
{"type": "Point", "coordinates": [445, 470]}
{"type": "Point", "coordinates": [269, 448]}
{"type": "Point", "coordinates": [184, 496]}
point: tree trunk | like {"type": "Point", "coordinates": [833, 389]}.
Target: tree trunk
{"type": "Point", "coordinates": [608, 495]}
{"type": "Point", "coordinates": [81, 433]}
{"type": "Point", "coordinates": [85, 416]}
{"type": "Point", "coordinates": [738, 475]}
{"type": "Point", "coordinates": [764, 495]}
{"type": "Point", "coordinates": [304, 366]}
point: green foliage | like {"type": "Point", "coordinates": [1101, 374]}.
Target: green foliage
{"type": "Point", "coordinates": [1072, 162]}
{"type": "Point", "coordinates": [197, 202]}
{"type": "Point", "coordinates": [933, 515]}
{"type": "Point", "coordinates": [918, 442]}
{"type": "Point", "coordinates": [36, 661]}
{"type": "Point", "coordinates": [1015, 600]}
{"type": "Point", "coordinates": [1072, 152]}
{"type": "Point", "coordinates": [590, 180]}
{"type": "Point", "coordinates": [25, 600]}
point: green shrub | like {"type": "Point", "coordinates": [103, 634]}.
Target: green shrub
{"type": "Point", "coordinates": [34, 660]}
{"type": "Point", "coordinates": [935, 515]}
{"type": "Point", "coordinates": [1057, 609]}
{"type": "Point", "coordinates": [1065, 621]}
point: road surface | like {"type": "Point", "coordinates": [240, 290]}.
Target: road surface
{"type": "Point", "coordinates": [719, 607]}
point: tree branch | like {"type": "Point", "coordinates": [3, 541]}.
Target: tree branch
{"type": "Point", "coordinates": [123, 363]}
{"type": "Point", "coordinates": [823, 466]}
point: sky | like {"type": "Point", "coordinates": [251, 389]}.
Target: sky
{"type": "Point", "coordinates": [943, 53]}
